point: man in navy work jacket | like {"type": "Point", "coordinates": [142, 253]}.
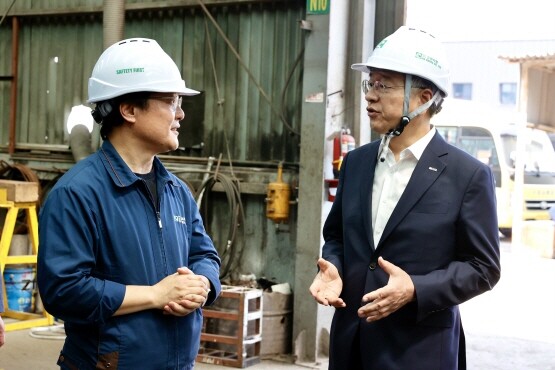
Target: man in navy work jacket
{"type": "Point", "coordinates": [124, 259]}
{"type": "Point", "coordinates": [412, 232]}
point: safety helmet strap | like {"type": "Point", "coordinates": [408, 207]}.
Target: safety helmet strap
{"type": "Point", "coordinates": [407, 117]}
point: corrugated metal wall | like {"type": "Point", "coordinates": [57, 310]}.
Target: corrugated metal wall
{"type": "Point", "coordinates": [5, 73]}
{"type": "Point", "coordinates": [57, 54]}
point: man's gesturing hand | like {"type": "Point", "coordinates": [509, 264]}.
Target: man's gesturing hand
{"type": "Point", "coordinates": [384, 301]}
{"type": "Point", "coordinates": [327, 285]}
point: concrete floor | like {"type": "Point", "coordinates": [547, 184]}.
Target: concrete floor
{"type": "Point", "coordinates": [509, 328]}
{"type": "Point", "coordinates": [23, 351]}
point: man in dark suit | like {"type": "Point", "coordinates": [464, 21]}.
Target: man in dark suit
{"type": "Point", "coordinates": [413, 229]}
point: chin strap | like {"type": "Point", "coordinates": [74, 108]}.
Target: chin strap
{"type": "Point", "coordinates": [384, 144]}
{"type": "Point", "coordinates": [407, 117]}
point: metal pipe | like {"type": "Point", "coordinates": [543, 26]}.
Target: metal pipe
{"type": "Point", "coordinates": [13, 93]}
{"type": "Point", "coordinates": [113, 21]}
{"type": "Point", "coordinates": [80, 142]}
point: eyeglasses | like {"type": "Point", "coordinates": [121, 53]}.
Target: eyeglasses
{"type": "Point", "coordinates": [378, 86]}
{"type": "Point", "coordinates": [174, 101]}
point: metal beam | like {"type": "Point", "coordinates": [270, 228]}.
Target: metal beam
{"type": "Point", "coordinates": [311, 185]}
{"type": "Point", "coordinates": [390, 15]}
{"type": "Point", "coordinates": [13, 87]}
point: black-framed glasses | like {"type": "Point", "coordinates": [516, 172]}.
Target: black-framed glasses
{"type": "Point", "coordinates": [378, 86]}
{"type": "Point", "coordinates": [173, 101]}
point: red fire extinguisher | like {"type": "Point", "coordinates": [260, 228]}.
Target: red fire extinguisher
{"type": "Point", "coordinates": [342, 144]}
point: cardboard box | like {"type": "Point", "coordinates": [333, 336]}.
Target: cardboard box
{"type": "Point", "coordinates": [21, 191]}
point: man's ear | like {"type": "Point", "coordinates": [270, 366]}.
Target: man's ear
{"type": "Point", "coordinates": [128, 111]}
{"type": "Point", "coordinates": [426, 95]}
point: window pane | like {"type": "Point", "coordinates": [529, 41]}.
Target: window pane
{"type": "Point", "coordinates": [462, 91]}
{"type": "Point", "coordinates": [507, 93]}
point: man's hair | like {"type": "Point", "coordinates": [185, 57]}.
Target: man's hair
{"type": "Point", "coordinates": [426, 84]}
{"type": "Point", "coordinates": [113, 118]}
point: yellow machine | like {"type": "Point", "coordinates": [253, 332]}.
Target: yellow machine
{"type": "Point", "coordinates": [277, 199]}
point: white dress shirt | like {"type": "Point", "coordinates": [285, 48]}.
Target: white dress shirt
{"type": "Point", "coordinates": [391, 179]}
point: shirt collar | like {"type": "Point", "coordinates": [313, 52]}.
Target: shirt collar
{"type": "Point", "coordinates": [419, 146]}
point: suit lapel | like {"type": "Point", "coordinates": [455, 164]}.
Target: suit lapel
{"type": "Point", "coordinates": [427, 170]}
{"type": "Point", "coordinates": [366, 191]}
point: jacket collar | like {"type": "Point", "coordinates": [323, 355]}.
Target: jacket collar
{"type": "Point", "coordinates": [429, 168]}
{"type": "Point", "coordinates": [120, 172]}
{"type": "Point", "coordinates": [366, 189]}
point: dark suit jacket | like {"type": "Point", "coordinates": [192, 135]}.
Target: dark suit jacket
{"type": "Point", "coordinates": [443, 233]}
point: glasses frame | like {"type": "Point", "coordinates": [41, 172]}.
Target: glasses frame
{"type": "Point", "coordinates": [378, 86]}
{"type": "Point", "coordinates": [174, 101]}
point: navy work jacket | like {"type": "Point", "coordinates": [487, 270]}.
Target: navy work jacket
{"type": "Point", "coordinates": [99, 231]}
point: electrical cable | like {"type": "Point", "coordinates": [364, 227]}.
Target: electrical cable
{"type": "Point", "coordinates": [7, 11]}
{"type": "Point", "coordinates": [220, 99]}
{"type": "Point", "coordinates": [20, 172]}
{"type": "Point", "coordinates": [10, 171]}
{"type": "Point", "coordinates": [55, 331]}
{"type": "Point", "coordinates": [229, 252]}
{"type": "Point", "coordinates": [246, 68]}
{"type": "Point", "coordinates": [287, 81]}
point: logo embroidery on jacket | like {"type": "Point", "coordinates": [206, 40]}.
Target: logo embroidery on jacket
{"type": "Point", "coordinates": [179, 219]}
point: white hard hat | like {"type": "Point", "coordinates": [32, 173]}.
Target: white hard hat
{"type": "Point", "coordinates": [411, 51]}
{"type": "Point", "coordinates": [135, 65]}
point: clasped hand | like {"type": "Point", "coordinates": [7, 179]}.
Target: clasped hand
{"type": "Point", "coordinates": [183, 292]}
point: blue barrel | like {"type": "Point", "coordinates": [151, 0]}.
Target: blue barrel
{"type": "Point", "coordinates": [20, 284]}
